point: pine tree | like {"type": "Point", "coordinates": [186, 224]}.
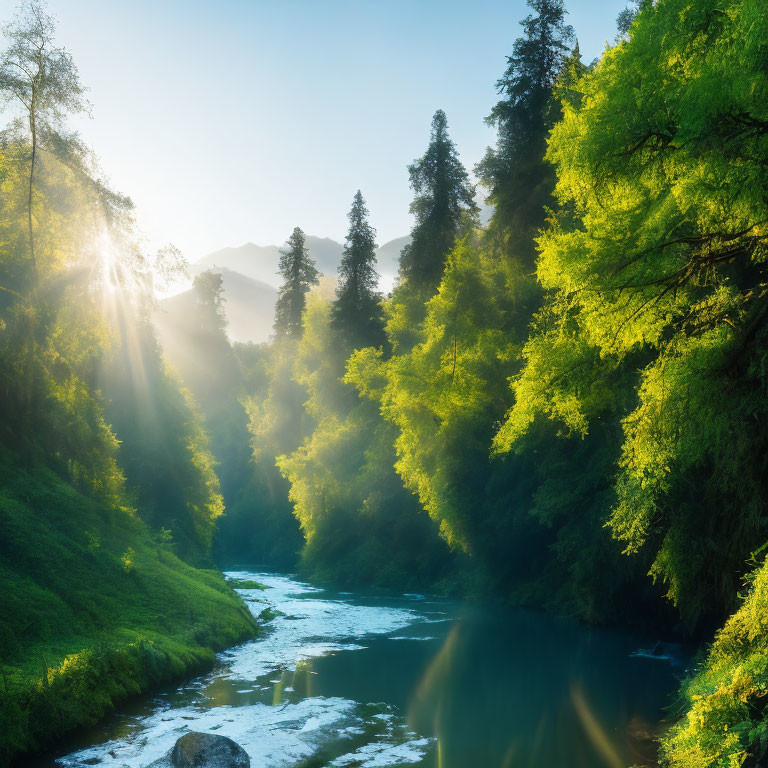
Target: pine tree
{"type": "Point", "coordinates": [299, 274]}
{"type": "Point", "coordinates": [208, 297]}
{"type": "Point", "coordinates": [356, 313]}
{"type": "Point", "coordinates": [519, 181]}
{"type": "Point", "coordinates": [443, 198]}
{"type": "Point", "coordinates": [213, 371]}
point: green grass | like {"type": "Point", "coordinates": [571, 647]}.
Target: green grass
{"type": "Point", "coordinates": [93, 608]}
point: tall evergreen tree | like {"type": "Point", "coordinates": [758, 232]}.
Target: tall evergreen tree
{"type": "Point", "coordinates": [519, 181]}
{"type": "Point", "coordinates": [299, 275]}
{"type": "Point", "coordinates": [208, 296]}
{"type": "Point", "coordinates": [443, 197]}
{"type": "Point", "coordinates": [356, 314]}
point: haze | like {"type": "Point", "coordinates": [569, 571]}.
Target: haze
{"type": "Point", "coordinates": [236, 121]}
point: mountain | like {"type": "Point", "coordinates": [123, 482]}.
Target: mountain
{"type": "Point", "coordinates": [388, 261]}
{"type": "Point", "coordinates": [249, 307]}
{"type": "Point", "coordinates": [326, 253]}
{"type": "Point", "coordinates": [250, 283]}
{"type": "Point", "coordinates": [260, 262]}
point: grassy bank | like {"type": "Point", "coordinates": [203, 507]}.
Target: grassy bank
{"type": "Point", "coordinates": [94, 608]}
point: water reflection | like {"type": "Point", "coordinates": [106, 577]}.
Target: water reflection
{"type": "Point", "coordinates": [534, 691]}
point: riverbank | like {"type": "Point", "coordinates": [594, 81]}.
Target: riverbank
{"type": "Point", "coordinates": [94, 608]}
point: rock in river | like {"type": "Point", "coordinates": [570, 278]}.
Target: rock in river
{"type": "Point", "coordinates": [208, 750]}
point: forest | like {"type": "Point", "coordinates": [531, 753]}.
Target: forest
{"type": "Point", "coordinates": [562, 409]}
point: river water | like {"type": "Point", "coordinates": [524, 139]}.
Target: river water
{"type": "Point", "coordinates": [355, 680]}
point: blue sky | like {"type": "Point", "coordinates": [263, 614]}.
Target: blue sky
{"type": "Point", "coordinates": [234, 121]}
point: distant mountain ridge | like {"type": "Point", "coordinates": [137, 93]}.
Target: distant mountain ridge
{"type": "Point", "coordinates": [250, 281]}
{"type": "Point", "coordinates": [261, 262]}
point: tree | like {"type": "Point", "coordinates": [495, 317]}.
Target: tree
{"type": "Point", "coordinates": [43, 79]}
{"type": "Point", "coordinates": [359, 524]}
{"type": "Point", "coordinates": [299, 274]}
{"type": "Point", "coordinates": [518, 180]}
{"type": "Point", "coordinates": [443, 198]}
{"type": "Point", "coordinates": [652, 269]}
{"type": "Point", "coordinates": [208, 297]}
{"type": "Point", "coordinates": [163, 450]}
{"type": "Point", "coordinates": [356, 313]}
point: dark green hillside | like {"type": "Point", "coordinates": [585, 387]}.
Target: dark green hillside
{"type": "Point", "coordinates": [94, 607]}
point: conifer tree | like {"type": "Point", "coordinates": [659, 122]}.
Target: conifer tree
{"type": "Point", "coordinates": [356, 313]}
{"type": "Point", "coordinates": [519, 181]}
{"type": "Point", "coordinates": [443, 198]}
{"type": "Point", "coordinates": [208, 288]}
{"type": "Point", "coordinates": [299, 274]}
{"type": "Point", "coordinates": [212, 374]}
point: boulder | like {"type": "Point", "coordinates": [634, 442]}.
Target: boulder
{"type": "Point", "coordinates": [208, 750]}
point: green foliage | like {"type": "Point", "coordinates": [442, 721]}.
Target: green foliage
{"type": "Point", "coordinates": [445, 392]}
{"type": "Point", "coordinates": [164, 450]}
{"type": "Point", "coordinates": [656, 260]}
{"type": "Point", "coordinates": [359, 524]}
{"type": "Point", "coordinates": [299, 275]}
{"type": "Point", "coordinates": [85, 626]}
{"type": "Point", "coordinates": [628, 15]}
{"type": "Point", "coordinates": [257, 526]}
{"type": "Point", "coordinates": [356, 313]}
{"type": "Point", "coordinates": [520, 185]}
{"type": "Point", "coordinates": [532, 523]}
{"type": "Point", "coordinates": [260, 526]}
{"type": "Point", "coordinates": [724, 702]}
{"type": "Point", "coordinates": [52, 334]}
{"type": "Point", "coordinates": [443, 199]}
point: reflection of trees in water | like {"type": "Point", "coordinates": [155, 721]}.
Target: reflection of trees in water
{"type": "Point", "coordinates": [539, 692]}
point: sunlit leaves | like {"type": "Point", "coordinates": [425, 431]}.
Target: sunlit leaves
{"type": "Point", "coordinates": [655, 268]}
{"type": "Point", "coordinates": [358, 521]}
{"type": "Point", "coordinates": [444, 394]}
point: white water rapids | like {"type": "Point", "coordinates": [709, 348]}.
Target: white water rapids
{"type": "Point", "coordinates": [283, 732]}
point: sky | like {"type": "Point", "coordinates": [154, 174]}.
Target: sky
{"type": "Point", "coordinates": [235, 121]}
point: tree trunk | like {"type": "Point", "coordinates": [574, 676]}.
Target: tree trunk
{"type": "Point", "coordinates": [33, 131]}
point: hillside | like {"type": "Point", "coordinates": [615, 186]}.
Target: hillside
{"type": "Point", "coordinates": [95, 608]}
{"type": "Point", "coordinates": [260, 262]}
{"type": "Point", "coordinates": [257, 262]}
{"type": "Point", "coordinates": [388, 260]}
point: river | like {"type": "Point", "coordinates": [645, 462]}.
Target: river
{"type": "Point", "coordinates": [352, 680]}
